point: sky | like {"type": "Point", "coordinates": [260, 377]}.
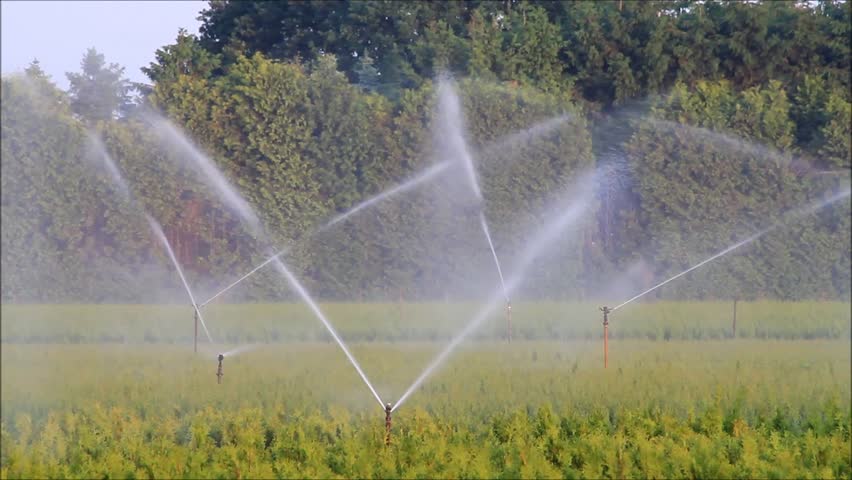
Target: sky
{"type": "Point", "coordinates": [58, 33]}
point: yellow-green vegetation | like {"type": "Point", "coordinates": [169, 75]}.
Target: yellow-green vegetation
{"type": "Point", "coordinates": [734, 408]}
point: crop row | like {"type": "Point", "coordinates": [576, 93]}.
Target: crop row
{"type": "Point", "coordinates": [274, 323]}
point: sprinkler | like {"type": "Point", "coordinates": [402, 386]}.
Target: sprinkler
{"type": "Point", "coordinates": [219, 372]}
{"type": "Point", "coordinates": [195, 336]}
{"type": "Point", "coordinates": [388, 409]}
{"type": "Point", "coordinates": [606, 311]}
{"type": "Point", "coordinates": [508, 320]}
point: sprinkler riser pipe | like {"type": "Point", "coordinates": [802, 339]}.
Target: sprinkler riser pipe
{"type": "Point", "coordinates": [388, 410]}
{"type": "Point", "coordinates": [195, 335]}
{"type": "Point", "coordinates": [509, 321]}
{"type": "Point", "coordinates": [219, 372]}
{"type": "Point", "coordinates": [606, 311]}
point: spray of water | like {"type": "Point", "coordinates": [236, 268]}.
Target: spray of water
{"type": "Point", "coordinates": [112, 168]}
{"type": "Point", "coordinates": [494, 254]}
{"type": "Point", "coordinates": [737, 144]}
{"type": "Point", "coordinates": [553, 230]}
{"type": "Point", "coordinates": [155, 227]}
{"type": "Point", "coordinates": [449, 128]}
{"type": "Point", "coordinates": [212, 174]}
{"type": "Point", "coordinates": [235, 201]}
{"type": "Point", "coordinates": [422, 177]}
{"type": "Point", "coordinates": [524, 136]}
{"type": "Point", "coordinates": [250, 273]}
{"type": "Point", "coordinates": [242, 349]}
{"type": "Point", "coordinates": [409, 184]}
{"type": "Point", "coordinates": [790, 216]}
{"type": "Point", "coordinates": [296, 285]}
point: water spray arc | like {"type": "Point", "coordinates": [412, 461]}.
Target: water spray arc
{"type": "Point", "coordinates": [124, 190]}
{"type": "Point", "coordinates": [422, 177]}
{"type": "Point", "coordinates": [790, 216]}
{"type": "Point", "coordinates": [236, 202]}
{"type": "Point", "coordinates": [319, 314]}
{"type": "Point", "coordinates": [452, 122]}
{"type": "Point", "coordinates": [500, 273]}
{"type": "Point", "coordinates": [545, 236]}
{"type": "Point", "coordinates": [250, 273]}
{"type": "Point", "coordinates": [162, 237]}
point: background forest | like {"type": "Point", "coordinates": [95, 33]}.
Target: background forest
{"type": "Point", "coordinates": [712, 118]}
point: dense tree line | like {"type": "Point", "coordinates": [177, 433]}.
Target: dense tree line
{"type": "Point", "coordinates": [712, 119]}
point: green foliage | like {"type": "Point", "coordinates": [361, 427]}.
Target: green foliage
{"type": "Point", "coordinates": [690, 174]}
{"type": "Point", "coordinates": [392, 322]}
{"type": "Point", "coordinates": [305, 129]}
{"type": "Point", "coordinates": [184, 57]}
{"type": "Point", "coordinates": [616, 51]}
{"type": "Point", "coordinates": [99, 91]}
{"type": "Point", "coordinates": [529, 409]}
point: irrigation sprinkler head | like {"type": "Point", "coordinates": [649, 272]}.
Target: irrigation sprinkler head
{"type": "Point", "coordinates": [508, 320]}
{"type": "Point", "coordinates": [606, 311]}
{"type": "Point", "coordinates": [219, 373]}
{"type": "Point", "coordinates": [388, 409]}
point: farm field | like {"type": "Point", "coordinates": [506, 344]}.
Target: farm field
{"type": "Point", "coordinates": [717, 407]}
{"type": "Point", "coordinates": [520, 239]}
{"type": "Point", "coordinates": [272, 323]}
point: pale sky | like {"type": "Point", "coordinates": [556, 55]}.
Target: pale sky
{"type": "Point", "coordinates": [58, 33]}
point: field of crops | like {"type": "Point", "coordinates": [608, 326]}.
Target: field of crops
{"type": "Point", "coordinates": [140, 404]}
{"type": "Point", "coordinates": [265, 323]}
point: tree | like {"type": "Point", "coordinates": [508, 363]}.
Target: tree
{"type": "Point", "coordinates": [99, 92]}
{"type": "Point", "coordinates": [184, 57]}
{"type": "Point", "coordinates": [533, 52]}
{"type": "Point", "coordinates": [486, 39]}
{"type": "Point", "coordinates": [714, 165]}
{"type": "Point", "coordinates": [368, 75]}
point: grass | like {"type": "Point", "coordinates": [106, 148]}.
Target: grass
{"type": "Point", "coordinates": [726, 407]}
{"type": "Point", "coordinates": [272, 323]}
{"type": "Point", "coordinates": [490, 377]}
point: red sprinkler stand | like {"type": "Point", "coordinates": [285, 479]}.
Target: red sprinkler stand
{"type": "Point", "coordinates": [509, 321]}
{"type": "Point", "coordinates": [195, 337]}
{"type": "Point", "coordinates": [387, 424]}
{"type": "Point", "coordinates": [606, 311]}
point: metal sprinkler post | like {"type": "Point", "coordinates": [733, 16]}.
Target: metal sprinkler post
{"type": "Point", "coordinates": [388, 409]}
{"type": "Point", "coordinates": [219, 373]}
{"type": "Point", "coordinates": [606, 311]}
{"type": "Point", "coordinates": [195, 337]}
{"type": "Point", "coordinates": [509, 321]}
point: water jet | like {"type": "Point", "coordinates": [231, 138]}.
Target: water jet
{"type": "Point", "coordinates": [570, 211]}
{"type": "Point", "coordinates": [155, 227]}
{"type": "Point", "coordinates": [790, 216]}
{"type": "Point", "coordinates": [423, 176]}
